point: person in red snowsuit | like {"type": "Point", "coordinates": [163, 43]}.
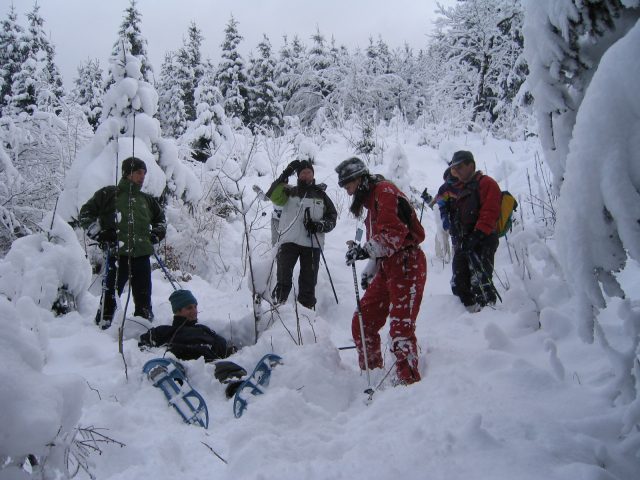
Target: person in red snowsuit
{"type": "Point", "coordinates": [394, 234]}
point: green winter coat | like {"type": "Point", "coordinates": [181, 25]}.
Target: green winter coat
{"type": "Point", "coordinates": [109, 206]}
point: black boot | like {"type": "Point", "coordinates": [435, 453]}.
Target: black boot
{"type": "Point", "coordinates": [144, 312]}
{"type": "Point", "coordinates": [103, 321]}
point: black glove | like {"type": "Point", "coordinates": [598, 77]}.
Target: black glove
{"type": "Point", "coordinates": [471, 242]}
{"type": "Point", "coordinates": [313, 227]}
{"type": "Point", "coordinates": [107, 236]}
{"type": "Point", "coordinates": [287, 172]}
{"type": "Point", "coordinates": [426, 196]}
{"type": "Point", "coordinates": [356, 252]}
{"type": "Point", "coordinates": [154, 238]}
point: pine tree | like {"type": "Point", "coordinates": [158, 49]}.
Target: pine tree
{"type": "Point", "coordinates": [318, 62]}
{"type": "Point", "coordinates": [264, 108]}
{"type": "Point", "coordinates": [210, 129]}
{"type": "Point", "coordinates": [288, 69]}
{"type": "Point", "coordinates": [11, 55]}
{"type": "Point", "coordinates": [127, 128]}
{"type": "Point", "coordinates": [231, 77]}
{"type": "Point", "coordinates": [171, 109]}
{"type": "Point", "coordinates": [316, 83]}
{"type": "Point", "coordinates": [131, 34]}
{"type": "Point", "coordinates": [88, 91]}
{"type": "Point", "coordinates": [379, 57]}
{"type": "Point", "coordinates": [190, 69]}
{"type": "Point", "coordinates": [406, 66]}
{"type": "Point", "coordinates": [37, 85]}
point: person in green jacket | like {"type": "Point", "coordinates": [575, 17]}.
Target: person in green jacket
{"type": "Point", "coordinates": [127, 223]}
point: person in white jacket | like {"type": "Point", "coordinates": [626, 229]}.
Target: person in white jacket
{"type": "Point", "coordinates": [307, 214]}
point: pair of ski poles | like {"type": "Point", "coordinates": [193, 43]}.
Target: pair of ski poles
{"type": "Point", "coordinates": [475, 265]}
{"type": "Point", "coordinates": [307, 218]}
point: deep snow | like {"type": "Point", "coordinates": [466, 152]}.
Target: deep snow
{"type": "Point", "coordinates": [509, 392]}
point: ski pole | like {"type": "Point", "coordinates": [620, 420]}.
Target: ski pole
{"type": "Point", "coordinates": [369, 390]}
{"type": "Point", "coordinates": [475, 263]}
{"type": "Point", "coordinates": [335, 295]}
{"type": "Point", "coordinates": [107, 259]}
{"type": "Point", "coordinates": [307, 218]}
{"type": "Point", "coordinates": [166, 272]}
{"type": "Point", "coordinates": [426, 197]}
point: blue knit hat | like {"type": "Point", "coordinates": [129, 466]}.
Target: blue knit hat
{"type": "Point", "coordinates": [180, 299]}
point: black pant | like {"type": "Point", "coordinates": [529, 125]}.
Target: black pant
{"type": "Point", "coordinates": [473, 272]}
{"type": "Point", "coordinates": [309, 262]}
{"type": "Point", "coordinates": [117, 276]}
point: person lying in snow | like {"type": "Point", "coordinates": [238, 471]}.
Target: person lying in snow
{"type": "Point", "coordinates": [186, 338]}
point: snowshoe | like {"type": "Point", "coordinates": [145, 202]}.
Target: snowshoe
{"type": "Point", "coordinates": [170, 377]}
{"type": "Point", "coordinates": [255, 384]}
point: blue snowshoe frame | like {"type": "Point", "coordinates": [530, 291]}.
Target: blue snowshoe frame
{"type": "Point", "coordinates": [256, 383]}
{"type": "Point", "coordinates": [170, 377]}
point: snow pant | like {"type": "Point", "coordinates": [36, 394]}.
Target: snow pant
{"type": "Point", "coordinates": [117, 276]}
{"type": "Point", "coordinates": [472, 276]}
{"type": "Point", "coordinates": [396, 291]}
{"type": "Point", "coordinates": [309, 262]}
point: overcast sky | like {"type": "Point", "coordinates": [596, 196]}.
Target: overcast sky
{"type": "Point", "coordinates": [82, 29]}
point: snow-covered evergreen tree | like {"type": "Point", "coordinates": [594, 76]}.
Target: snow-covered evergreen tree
{"type": "Point", "coordinates": [319, 62]}
{"type": "Point", "coordinates": [288, 69]}
{"type": "Point", "coordinates": [11, 55]}
{"type": "Point", "coordinates": [190, 69]}
{"type": "Point", "coordinates": [379, 57]}
{"type": "Point", "coordinates": [37, 85]}
{"type": "Point", "coordinates": [317, 81]}
{"type": "Point", "coordinates": [131, 33]}
{"type": "Point", "coordinates": [210, 129]}
{"type": "Point", "coordinates": [88, 91]}
{"type": "Point", "coordinates": [264, 108]}
{"type": "Point", "coordinates": [171, 109]}
{"type": "Point", "coordinates": [128, 128]}
{"type": "Point", "coordinates": [231, 77]}
{"type": "Point", "coordinates": [412, 97]}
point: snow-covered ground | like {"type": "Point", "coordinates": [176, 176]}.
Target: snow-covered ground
{"type": "Point", "coordinates": [507, 393]}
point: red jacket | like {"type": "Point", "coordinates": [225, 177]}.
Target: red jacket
{"type": "Point", "coordinates": [392, 223]}
{"type": "Point", "coordinates": [477, 206]}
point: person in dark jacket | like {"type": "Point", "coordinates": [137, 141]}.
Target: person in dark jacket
{"type": "Point", "coordinates": [127, 223]}
{"type": "Point", "coordinates": [307, 214]}
{"type": "Point", "coordinates": [185, 337]}
{"type": "Point", "coordinates": [394, 235]}
{"type": "Point", "coordinates": [474, 215]}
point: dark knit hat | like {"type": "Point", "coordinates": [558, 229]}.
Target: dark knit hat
{"type": "Point", "coordinates": [350, 169]}
{"type": "Point", "coordinates": [304, 164]}
{"type": "Point", "coordinates": [461, 156]}
{"type": "Point", "coordinates": [131, 164]}
{"type": "Point", "coordinates": [180, 299]}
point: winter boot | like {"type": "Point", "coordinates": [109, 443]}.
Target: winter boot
{"type": "Point", "coordinates": [144, 312]}
{"type": "Point", "coordinates": [406, 373]}
{"type": "Point", "coordinates": [103, 321]}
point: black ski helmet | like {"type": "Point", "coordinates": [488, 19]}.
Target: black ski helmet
{"type": "Point", "coordinates": [350, 169]}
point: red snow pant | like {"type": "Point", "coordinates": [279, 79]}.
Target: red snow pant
{"type": "Point", "coordinates": [396, 291]}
